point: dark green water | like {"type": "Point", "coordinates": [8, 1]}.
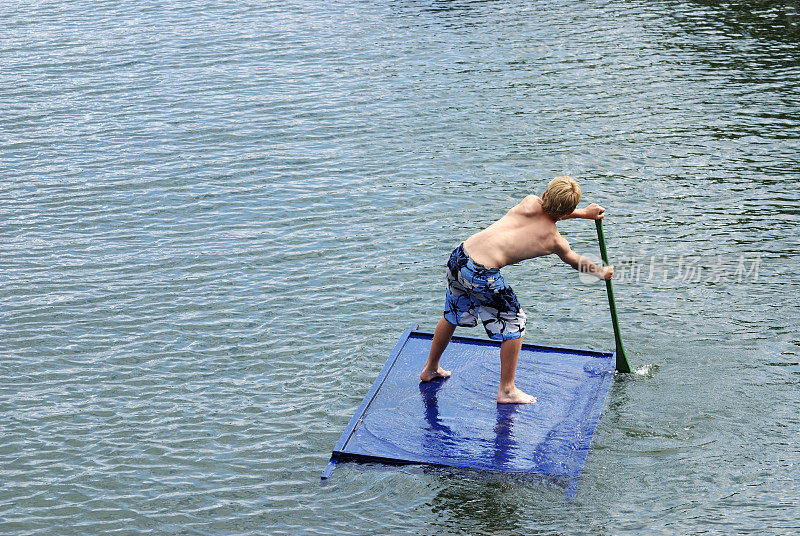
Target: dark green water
{"type": "Point", "coordinates": [216, 218]}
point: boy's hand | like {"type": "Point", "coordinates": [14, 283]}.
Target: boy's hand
{"type": "Point", "coordinates": [608, 273]}
{"type": "Point", "coordinates": [595, 212]}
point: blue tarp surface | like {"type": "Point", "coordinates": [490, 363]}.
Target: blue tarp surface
{"type": "Point", "coordinates": [456, 422]}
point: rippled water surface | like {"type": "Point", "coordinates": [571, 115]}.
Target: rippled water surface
{"type": "Point", "coordinates": [217, 217]}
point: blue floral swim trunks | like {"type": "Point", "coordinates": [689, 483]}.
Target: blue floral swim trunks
{"type": "Point", "coordinates": [474, 291]}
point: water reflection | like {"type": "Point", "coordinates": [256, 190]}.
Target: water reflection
{"type": "Point", "coordinates": [505, 446]}
{"type": "Point", "coordinates": [438, 437]}
{"type": "Point", "coordinates": [440, 441]}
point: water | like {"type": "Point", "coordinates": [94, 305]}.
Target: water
{"type": "Point", "coordinates": [217, 217]}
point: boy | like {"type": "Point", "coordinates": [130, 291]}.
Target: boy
{"type": "Point", "coordinates": [475, 287]}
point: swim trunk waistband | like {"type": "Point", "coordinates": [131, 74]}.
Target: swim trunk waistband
{"type": "Point", "coordinates": [477, 265]}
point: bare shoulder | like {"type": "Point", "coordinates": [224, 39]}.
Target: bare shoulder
{"type": "Point", "coordinates": [560, 244]}
{"type": "Point", "coordinates": [531, 204]}
{"type": "Point", "coordinates": [532, 200]}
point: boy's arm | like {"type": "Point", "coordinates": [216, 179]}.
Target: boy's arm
{"type": "Point", "coordinates": [582, 264]}
{"type": "Point", "coordinates": [592, 212]}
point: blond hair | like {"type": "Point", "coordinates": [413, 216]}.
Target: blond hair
{"type": "Point", "coordinates": [561, 197]}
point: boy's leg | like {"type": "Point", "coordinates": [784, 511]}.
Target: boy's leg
{"type": "Point", "coordinates": [441, 338]}
{"type": "Point", "coordinates": [508, 393]}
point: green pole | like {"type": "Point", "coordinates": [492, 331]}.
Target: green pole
{"type": "Point", "coordinates": [622, 361]}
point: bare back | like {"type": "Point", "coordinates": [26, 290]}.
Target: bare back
{"type": "Point", "coordinates": [525, 232]}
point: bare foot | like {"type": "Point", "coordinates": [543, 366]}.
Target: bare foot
{"type": "Point", "coordinates": [514, 396]}
{"type": "Point", "coordinates": [429, 375]}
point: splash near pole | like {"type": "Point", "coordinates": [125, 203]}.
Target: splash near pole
{"type": "Point", "coordinates": [622, 361]}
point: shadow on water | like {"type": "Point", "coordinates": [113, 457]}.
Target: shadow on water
{"type": "Point", "coordinates": [447, 14]}
{"type": "Point", "coordinates": [742, 61]}
{"type": "Point", "coordinates": [762, 19]}
{"type": "Point", "coordinates": [717, 33]}
{"type": "Point", "coordinates": [443, 6]}
{"type": "Point", "coordinates": [480, 506]}
{"type": "Point", "coordinates": [476, 501]}
{"type": "Point", "coordinates": [488, 502]}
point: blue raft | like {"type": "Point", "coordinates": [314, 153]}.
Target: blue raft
{"type": "Point", "coordinates": [457, 423]}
